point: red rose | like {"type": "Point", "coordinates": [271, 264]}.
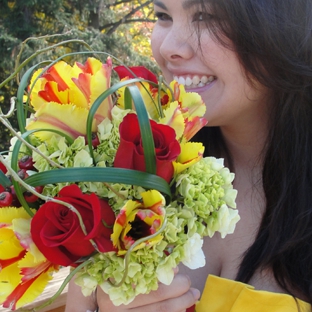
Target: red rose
{"type": "Point", "coordinates": [130, 153]}
{"type": "Point", "coordinates": [139, 71]}
{"type": "Point", "coordinates": [57, 233]}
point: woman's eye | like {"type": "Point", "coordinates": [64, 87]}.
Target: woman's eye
{"type": "Point", "coordinates": [201, 16]}
{"type": "Point", "coordinates": [162, 16]}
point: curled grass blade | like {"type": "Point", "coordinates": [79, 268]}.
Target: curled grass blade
{"type": "Point", "coordinates": [21, 116]}
{"type": "Point", "coordinates": [100, 174]}
{"type": "Point", "coordinates": [145, 128]}
{"type": "Point", "coordinates": [98, 102]}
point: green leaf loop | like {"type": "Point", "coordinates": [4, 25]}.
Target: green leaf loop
{"type": "Point", "coordinates": [98, 102]}
{"type": "Point", "coordinates": [145, 128]}
{"type": "Point", "coordinates": [21, 117]}
{"type": "Point", "coordinates": [100, 174]}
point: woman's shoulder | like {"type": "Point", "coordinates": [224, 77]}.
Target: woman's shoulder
{"type": "Point", "coordinates": [221, 294]}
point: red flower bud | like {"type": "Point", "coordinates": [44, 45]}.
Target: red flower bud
{"type": "Point", "coordinates": [15, 201]}
{"type": "Point", "coordinates": [26, 162]}
{"type": "Point", "coordinates": [22, 174]}
{"type": "Point", "coordinates": [95, 140]}
{"type": "Point", "coordinates": [5, 199]}
{"type": "Point", "coordinates": [30, 197]}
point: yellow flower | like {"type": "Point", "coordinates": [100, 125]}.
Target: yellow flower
{"type": "Point", "coordinates": [191, 153]}
{"type": "Point", "coordinates": [184, 112]}
{"type": "Point", "coordinates": [149, 96]}
{"type": "Point", "coordinates": [24, 270]}
{"type": "Point", "coordinates": [63, 95]}
{"type": "Point", "coordinates": [137, 220]}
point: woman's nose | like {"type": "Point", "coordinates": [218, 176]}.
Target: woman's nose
{"type": "Point", "coordinates": [177, 45]}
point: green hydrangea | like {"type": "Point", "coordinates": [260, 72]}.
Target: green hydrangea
{"type": "Point", "coordinates": [64, 154]}
{"type": "Point", "coordinates": [204, 188]}
{"type": "Point", "coordinates": [108, 131]}
{"type": "Point", "coordinates": [141, 277]}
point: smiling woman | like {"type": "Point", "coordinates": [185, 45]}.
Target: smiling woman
{"type": "Point", "coordinates": [256, 83]}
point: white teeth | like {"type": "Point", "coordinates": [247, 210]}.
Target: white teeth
{"type": "Point", "coordinates": [196, 81]}
{"type": "Point", "coordinates": [188, 81]}
{"type": "Point", "coordinates": [181, 81]}
{"type": "Point", "coordinates": [204, 79]}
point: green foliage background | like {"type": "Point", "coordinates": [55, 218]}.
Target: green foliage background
{"type": "Point", "coordinates": [119, 27]}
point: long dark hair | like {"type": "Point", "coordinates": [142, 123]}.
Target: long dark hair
{"type": "Point", "coordinates": [273, 41]}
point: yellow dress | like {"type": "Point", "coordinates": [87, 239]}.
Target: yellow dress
{"type": "Point", "coordinates": [223, 295]}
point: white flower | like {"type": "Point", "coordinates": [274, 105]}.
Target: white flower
{"type": "Point", "coordinates": [227, 219]}
{"type": "Point", "coordinates": [230, 197]}
{"type": "Point", "coordinates": [165, 272]}
{"type": "Point", "coordinates": [194, 255]}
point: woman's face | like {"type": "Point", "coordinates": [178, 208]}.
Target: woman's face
{"type": "Point", "coordinates": [209, 68]}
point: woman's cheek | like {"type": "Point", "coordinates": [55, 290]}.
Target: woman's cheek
{"type": "Point", "coordinates": [157, 39]}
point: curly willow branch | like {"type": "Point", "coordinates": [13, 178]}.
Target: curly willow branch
{"type": "Point", "coordinates": [38, 52]}
{"type": "Point", "coordinates": [5, 122]}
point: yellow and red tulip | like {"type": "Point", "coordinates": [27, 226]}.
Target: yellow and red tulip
{"type": "Point", "coordinates": [184, 112]}
{"type": "Point", "coordinates": [24, 271]}
{"type": "Point", "coordinates": [191, 153]}
{"type": "Point", "coordinates": [63, 94]}
{"type": "Point", "coordinates": [137, 220]}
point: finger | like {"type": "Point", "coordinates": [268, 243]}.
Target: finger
{"type": "Point", "coordinates": [76, 301]}
{"type": "Point", "coordinates": [105, 304]}
{"type": "Point", "coordinates": [177, 304]}
{"type": "Point", "coordinates": [176, 270]}
{"type": "Point", "coordinates": [179, 286]}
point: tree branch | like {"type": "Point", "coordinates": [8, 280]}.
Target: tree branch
{"type": "Point", "coordinates": [129, 21]}
{"type": "Point", "coordinates": [125, 20]}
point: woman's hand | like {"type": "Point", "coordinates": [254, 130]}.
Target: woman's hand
{"type": "Point", "coordinates": [176, 297]}
{"type": "Point", "coordinates": [76, 301]}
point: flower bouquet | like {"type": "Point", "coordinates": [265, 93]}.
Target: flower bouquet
{"type": "Point", "coordinates": [105, 179]}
